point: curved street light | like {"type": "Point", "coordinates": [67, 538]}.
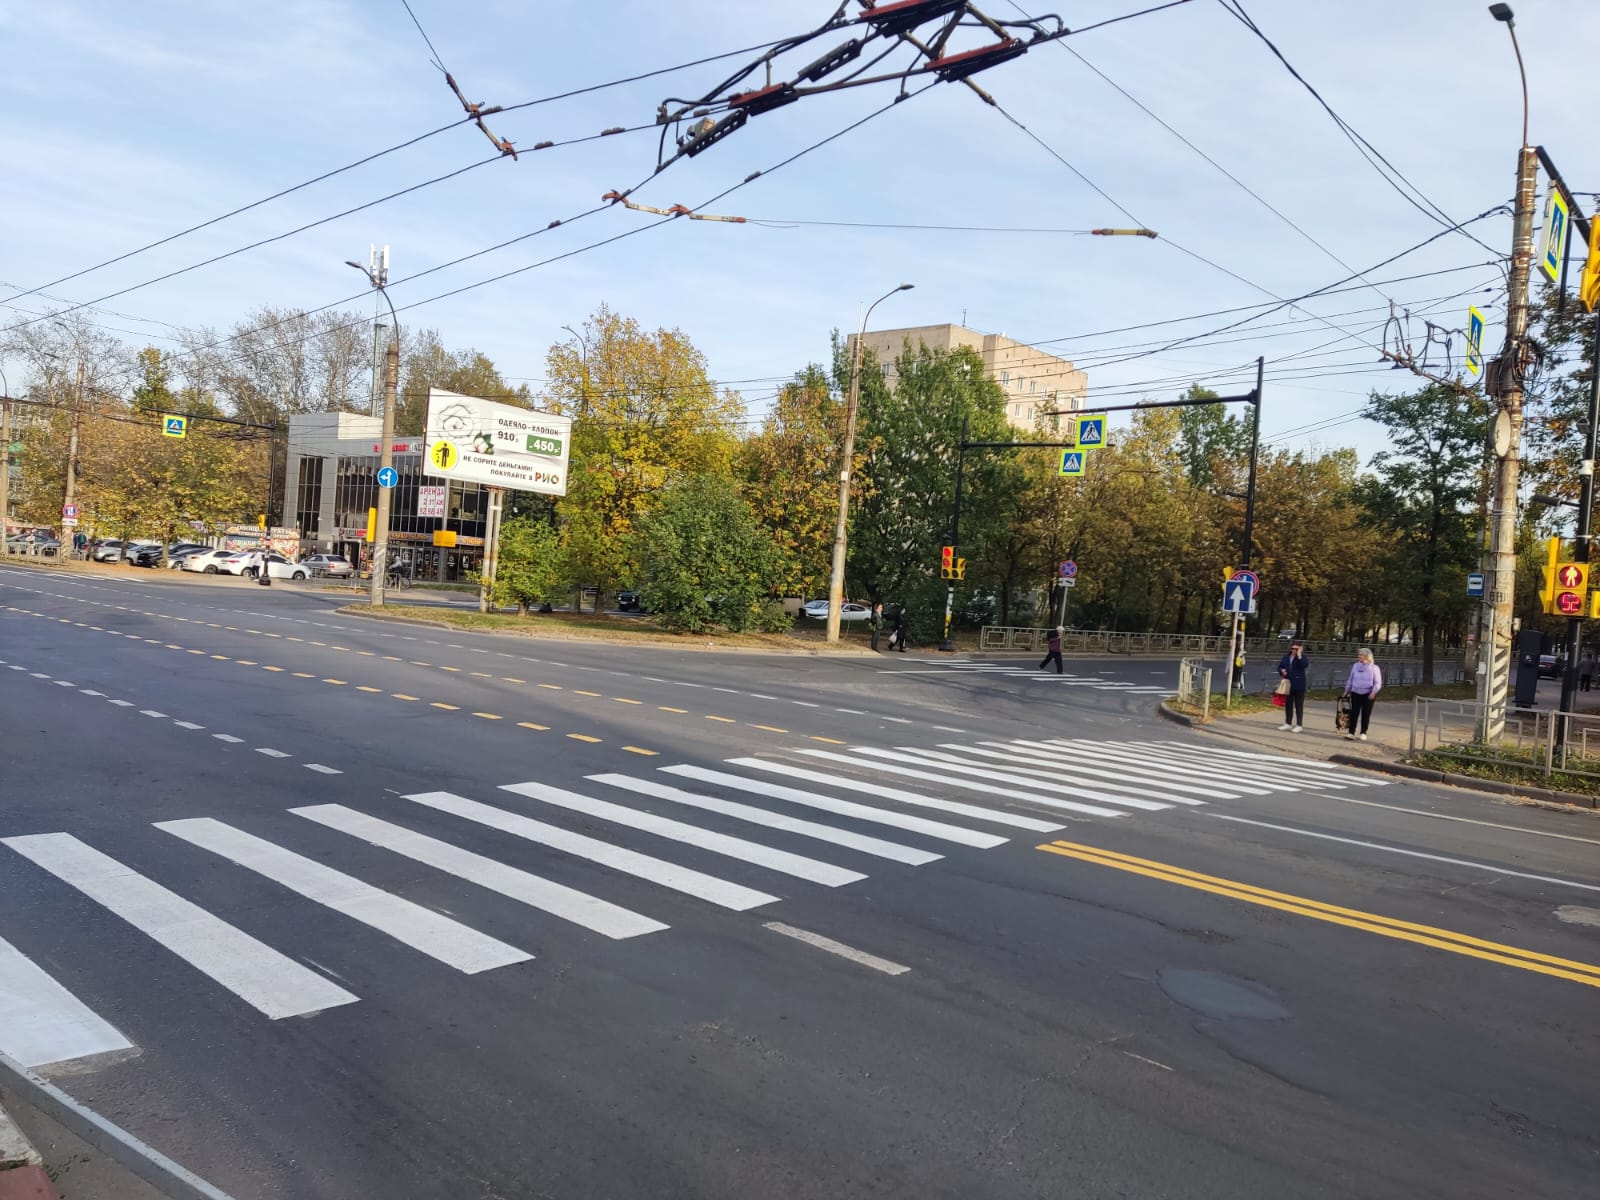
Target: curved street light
{"type": "Point", "coordinates": [836, 576]}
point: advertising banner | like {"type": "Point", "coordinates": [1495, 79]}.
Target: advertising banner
{"type": "Point", "coordinates": [499, 445]}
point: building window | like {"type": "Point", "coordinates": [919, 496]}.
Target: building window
{"type": "Point", "coordinates": [308, 500]}
{"type": "Point", "coordinates": [1005, 378]}
{"type": "Point", "coordinates": [1033, 386]}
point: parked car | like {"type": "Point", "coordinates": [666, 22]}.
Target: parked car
{"type": "Point", "coordinates": [207, 561]}
{"type": "Point", "coordinates": [1549, 666]}
{"type": "Point", "coordinates": [175, 558]}
{"type": "Point", "coordinates": [109, 550]}
{"type": "Point", "coordinates": [630, 602]}
{"type": "Point", "coordinates": [817, 610]}
{"type": "Point", "coordinates": [278, 567]}
{"type": "Point", "coordinates": [142, 554]}
{"type": "Point", "coordinates": [334, 565]}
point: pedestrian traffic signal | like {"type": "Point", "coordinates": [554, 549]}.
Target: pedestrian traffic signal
{"type": "Point", "coordinates": [947, 562]}
{"type": "Point", "coordinates": [1573, 576]}
{"type": "Point", "coordinates": [1548, 589]}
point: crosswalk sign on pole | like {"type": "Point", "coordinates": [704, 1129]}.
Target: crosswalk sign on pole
{"type": "Point", "coordinates": [1474, 341]}
{"type": "Point", "coordinates": [174, 427]}
{"type": "Point", "coordinates": [1071, 462]}
{"type": "Point", "coordinates": [1091, 431]}
{"type": "Point", "coordinates": [1553, 238]}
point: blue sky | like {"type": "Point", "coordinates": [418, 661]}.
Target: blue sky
{"type": "Point", "coordinates": [130, 122]}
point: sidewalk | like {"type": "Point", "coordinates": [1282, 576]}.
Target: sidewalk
{"type": "Point", "coordinates": [1388, 736]}
{"type": "Point", "coordinates": [57, 1163]}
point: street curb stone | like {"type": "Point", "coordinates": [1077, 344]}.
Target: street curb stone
{"type": "Point", "coordinates": [15, 1149]}
{"type": "Point", "coordinates": [1174, 715]}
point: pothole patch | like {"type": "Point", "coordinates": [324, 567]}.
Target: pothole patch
{"type": "Point", "coordinates": [1578, 914]}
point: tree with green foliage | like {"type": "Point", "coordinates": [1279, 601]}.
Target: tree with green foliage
{"type": "Point", "coordinates": [532, 564]}
{"type": "Point", "coordinates": [1423, 495]}
{"type": "Point", "coordinates": [425, 364]}
{"type": "Point", "coordinates": [705, 560]}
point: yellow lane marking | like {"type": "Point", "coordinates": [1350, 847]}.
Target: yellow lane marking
{"type": "Point", "coordinates": [508, 679]}
{"type": "Point", "coordinates": [415, 663]}
{"type": "Point", "coordinates": [197, 652]}
{"type": "Point", "coordinates": [335, 682]}
{"type": "Point", "coordinates": [581, 692]}
{"type": "Point", "coordinates": [246, 662]}
{"type": "Point", "coordinates": [392, 658]}
{"type": "Point", "coordinates": [725, 720]}
{"type": "Point", "coordinates": [345, 648]}
{"type": "Point", "coordinates": [231, 628]}
{"type": "Point", "coordinates": [257, 632]}
{"type": "Point", "coordinates": [363, 688]}
{"type": "Point", "coordinates": [212, 625]}
{"type": "Point", "coordinates": [478, 674]}
{"type": "Point", "coordinates": [625, 700]}
{"type": "Point", "coordinates": [276, 635]}
{"type": "Point", "coordinates": [446, 707]}
{"type": "Point", "coordinates": [1351, 918]}
{"type": "Point", "coordinates": [554, 687]}
{"type": "Point", "coordinates": [292, 638]}
{"type": "Point", "coordinates": [272, 668]}
{"type": "Point", "coordinates": [582, 737]}
{"type": "Point", "coordinates": [641, 750]}
{"type": "Point", "coordinates": [666, 708]}
{"type": "Point", "coordinates": [489, 716]}
{"type": "Point", "coordinates": [768, 728]}
{"type": "Point", "coordinates": [817, 737]}
{"type": "Point", "coordinates": [531, 725]}
{"type": "Point", "coordinates": [153, 641]}
{"type": "Point", "coordinates": [170, 646]}
{"type": "Point", "coordinates": [302, 674]}
{"type": "Point", "coordinates": [457, 670]}
{"type": "Point", "coordinates": [401, 696]}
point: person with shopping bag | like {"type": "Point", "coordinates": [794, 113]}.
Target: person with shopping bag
{"type": "Point", "coordinates": [1292, 668]}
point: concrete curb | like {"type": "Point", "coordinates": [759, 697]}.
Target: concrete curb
{"type": "Point", "coordinates": [22, 1173]}
{"type": "Point", "coordinates": [15, 1149]}
{"type": "Point", "coordinates": [1172, 714]}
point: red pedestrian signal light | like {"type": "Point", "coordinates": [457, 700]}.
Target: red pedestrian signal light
{"type": "Point", "coordinates": [947, 561]}
{"type": "Point", "coordinates": [1569, 604]}
{"type": "Point", "coordinates": [1573, 577]}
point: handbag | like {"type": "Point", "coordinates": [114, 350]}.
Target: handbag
{"type": "Point", "coordinates": [1282, 689]}
{"type": "Point", "coordinates": [1280, 700]}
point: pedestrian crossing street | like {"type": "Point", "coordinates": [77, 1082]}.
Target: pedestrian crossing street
{"type": "Point", "coordinates": [756, 830]}
{"type": "Point", "coordinates": [1030, 671]}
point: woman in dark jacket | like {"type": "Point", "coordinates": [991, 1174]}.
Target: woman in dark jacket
{"type": "Point", "coordinates": [1292, 666]}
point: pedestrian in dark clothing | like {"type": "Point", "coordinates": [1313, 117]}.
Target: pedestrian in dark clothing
{"type": "Point", "coordinates": [877, 622]}
{"type": "Point", "coordinates": [1293, 667]}
{"type": "Point", "coordinates": [1586, 668]}
{"type": "Point", "coordinates": [1053, 646]}
{"type": "Point", "coordinates": [897, 635]}
{"type": "Point", "coordinates": [1363, 686]}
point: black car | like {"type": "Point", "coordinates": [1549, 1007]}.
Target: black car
{"type": "Point", "coordinates": [142, 556]}
{"type": "Point", "coordinates": [630, 602]}
{"type": "Point", "coordinates": [1549, 666]}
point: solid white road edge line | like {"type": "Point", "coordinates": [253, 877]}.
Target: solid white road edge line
{"type": "Point", "coordinates": [839, 948]}
{"type": "Point", "coordinates": [1455, 862]}
{"type": "Point", "coordinates": [1422, 812]}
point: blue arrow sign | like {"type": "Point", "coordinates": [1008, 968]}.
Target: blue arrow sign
{"type": "Point", "coordinates": [388, 477]}
{"type": "Point", "coordinates": [1238, 596]}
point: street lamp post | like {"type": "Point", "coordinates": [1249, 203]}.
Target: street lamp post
{"type": "Point", "coordinates": [836, 575]}
{"type": "Point", "coordinates": [379, 278]}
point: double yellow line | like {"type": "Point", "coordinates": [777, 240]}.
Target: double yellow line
{"type": "Point", "coordinates": [1405, 931]}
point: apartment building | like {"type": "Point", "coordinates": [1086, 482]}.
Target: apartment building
{"type": "Point", "coordinates": [1034, 381]}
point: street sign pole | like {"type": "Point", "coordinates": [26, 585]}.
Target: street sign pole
{"type": "Point", "coordinates": [1591, 449]}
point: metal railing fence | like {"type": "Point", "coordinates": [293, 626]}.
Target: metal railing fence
{"type": "Point", "coordinates": [1549, 741]}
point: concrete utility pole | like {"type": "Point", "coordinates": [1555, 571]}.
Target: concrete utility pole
{"type": "Point", "coordinates": [1507, 432]}
{"type": "Point", "coordinates": [836, 575]}
{"type": "Point", "coordinates": [72, 458]}
{"type": "Point", "coordinates": [5, 461]}
{"type": "Point", "coordinates": [377, 273]}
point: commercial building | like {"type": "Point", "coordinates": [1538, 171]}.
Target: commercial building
{"type": "Point", "coordinates": [1034, 382]}
{"type": "Point", "coordinates": [331, 481]}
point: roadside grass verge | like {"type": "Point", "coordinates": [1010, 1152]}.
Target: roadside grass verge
{"type": "Point", "coordinates": [1511, 765]}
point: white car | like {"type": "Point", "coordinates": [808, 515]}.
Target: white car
{"type": "Point", "coordinates": [335, 565]}
{"type": "Point", "coordinates": [278, 567]}
{"type": "Point", "coordinates": [208, 561]}
{"type": "Point", "coordinates": [817, 610]}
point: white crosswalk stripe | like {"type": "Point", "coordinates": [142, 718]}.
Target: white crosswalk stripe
{"type": "Point", "coordinates": [944, 777]}
{"type": "Point", "coordinates": [1030, 671]}
{"type": "Point", "coordinates": [962, 766]}
{"type": "Point", "coordinates": [259, 975]}
{"type": "Point", "coordinates": [41, 1022]}
{"type": "Point", "coordinates": [717, 843]}
{"type": "Point", "coordinates": [420, 928]}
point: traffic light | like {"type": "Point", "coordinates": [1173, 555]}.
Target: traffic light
{"type": "Point", "coordinates": [1548, 589]}
{"type": "Point", "coordinates": [947, 562]}
{"type": "Point", "coordinates": [961, 568]}
{"type": "Point", "coordinates": [1589, 285]}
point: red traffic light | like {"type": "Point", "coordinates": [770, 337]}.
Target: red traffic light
{"type": "Point", "coordinates": [1569, 604]}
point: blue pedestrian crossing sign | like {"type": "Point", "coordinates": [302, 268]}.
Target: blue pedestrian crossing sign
{"type": "Point", "coordinates": [1474, 341]}
{"type": "Point", "coordinates": [1092, 432]}
{"type": "Point", "coordinates": [388, 477]}
{"type": "Point", "coordinates": [174, 427]}
{"type": "Point", "coordinates": [1071, 463]}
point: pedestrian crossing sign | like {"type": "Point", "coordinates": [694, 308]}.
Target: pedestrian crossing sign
{"type": "Point", "coordinates": [1474, 341]}
{"type": "Point", "coordinates": [1092, 432]}
{"type": "Point", "coordinates": [174, 427]}
{"type": "Point", "coordinates": [1071, 463]}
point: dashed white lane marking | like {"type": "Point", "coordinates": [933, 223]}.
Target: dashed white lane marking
{"type": "Point", "coordinates": [839, 948]}
{"type": "Point", "coordinates": [92, 692]}
{"type": "Point", "coordinates": [62, 683]}
{"type": "Point", "coordinates": [187, 725]}
{"type": "Point", "coordinates": [227, 737]}
{"type": "Point", "coordinates": [121, 703]}
{"type": "Point", "coordinates": [270, 752]}
{"type": "Point", "coordinates": [322, 770]}
{"type": "Point", "coordinates": [150, 712]}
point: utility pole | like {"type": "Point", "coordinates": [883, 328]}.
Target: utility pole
{"type": "Point", "coordinates": [72, 457]}
{"type": "Point", "coordinates": [1236, 643]}
{"type": "Point", "coordinates": [836, 575]}
{"type": "Point", "coordinates": [1508, 378]}
{"type": "Point", "coordinates": [377, 273]}
{"type": "Point", "coordinates": [5, 461]}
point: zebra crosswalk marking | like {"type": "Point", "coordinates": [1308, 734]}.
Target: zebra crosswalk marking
{"type": "Point", "coordinates": [1280, 762]}
{"type": "Point", "coordinates": [988, 789]}
{"type": "Point", "coordinates": [269, 981]}
{"type": "Point", "coordinates": [618, 858]}
{"type": "Point", "coordinates": [1173, 767]}
{"type": "Point", "coordinates": [1114, 774]}
{"type": "Point", "coordinates": [718, 843]}
{"type": "Point", "coordinates": [844, 808]}
{"type": "Point", "coordinates": [422, 929]}
{"type": "Point", "coordinates": [760, 816]}
{"type": "Point", "coordinates": [1101, 777]}
{"type": "Point", "coordinates": [558, 900]}
{"type": "Point", "coordinates": [41, 1022]}
{"type": "Point", "coordinates": [951, 763]}
{"type": "Point", "coordinates": [1286, 773]}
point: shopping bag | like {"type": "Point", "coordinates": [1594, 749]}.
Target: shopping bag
{"type": "Point", "coordinates": [1283, 687]}
{"type": "Point", "coordinates": [1279, 699]}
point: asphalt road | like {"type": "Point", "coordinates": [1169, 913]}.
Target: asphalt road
{"type": "Point", "coordinates": [329, 907]}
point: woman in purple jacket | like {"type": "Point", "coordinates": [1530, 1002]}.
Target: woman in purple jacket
{"type": "Point", "coordinates": [1363, 686]}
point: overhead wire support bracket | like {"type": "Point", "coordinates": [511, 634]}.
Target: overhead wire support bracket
{"type": "Point", "coordinates": [478, 112]}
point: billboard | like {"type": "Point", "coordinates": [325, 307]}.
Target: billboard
{"type": "Point", "coordinates": [499, 445]}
